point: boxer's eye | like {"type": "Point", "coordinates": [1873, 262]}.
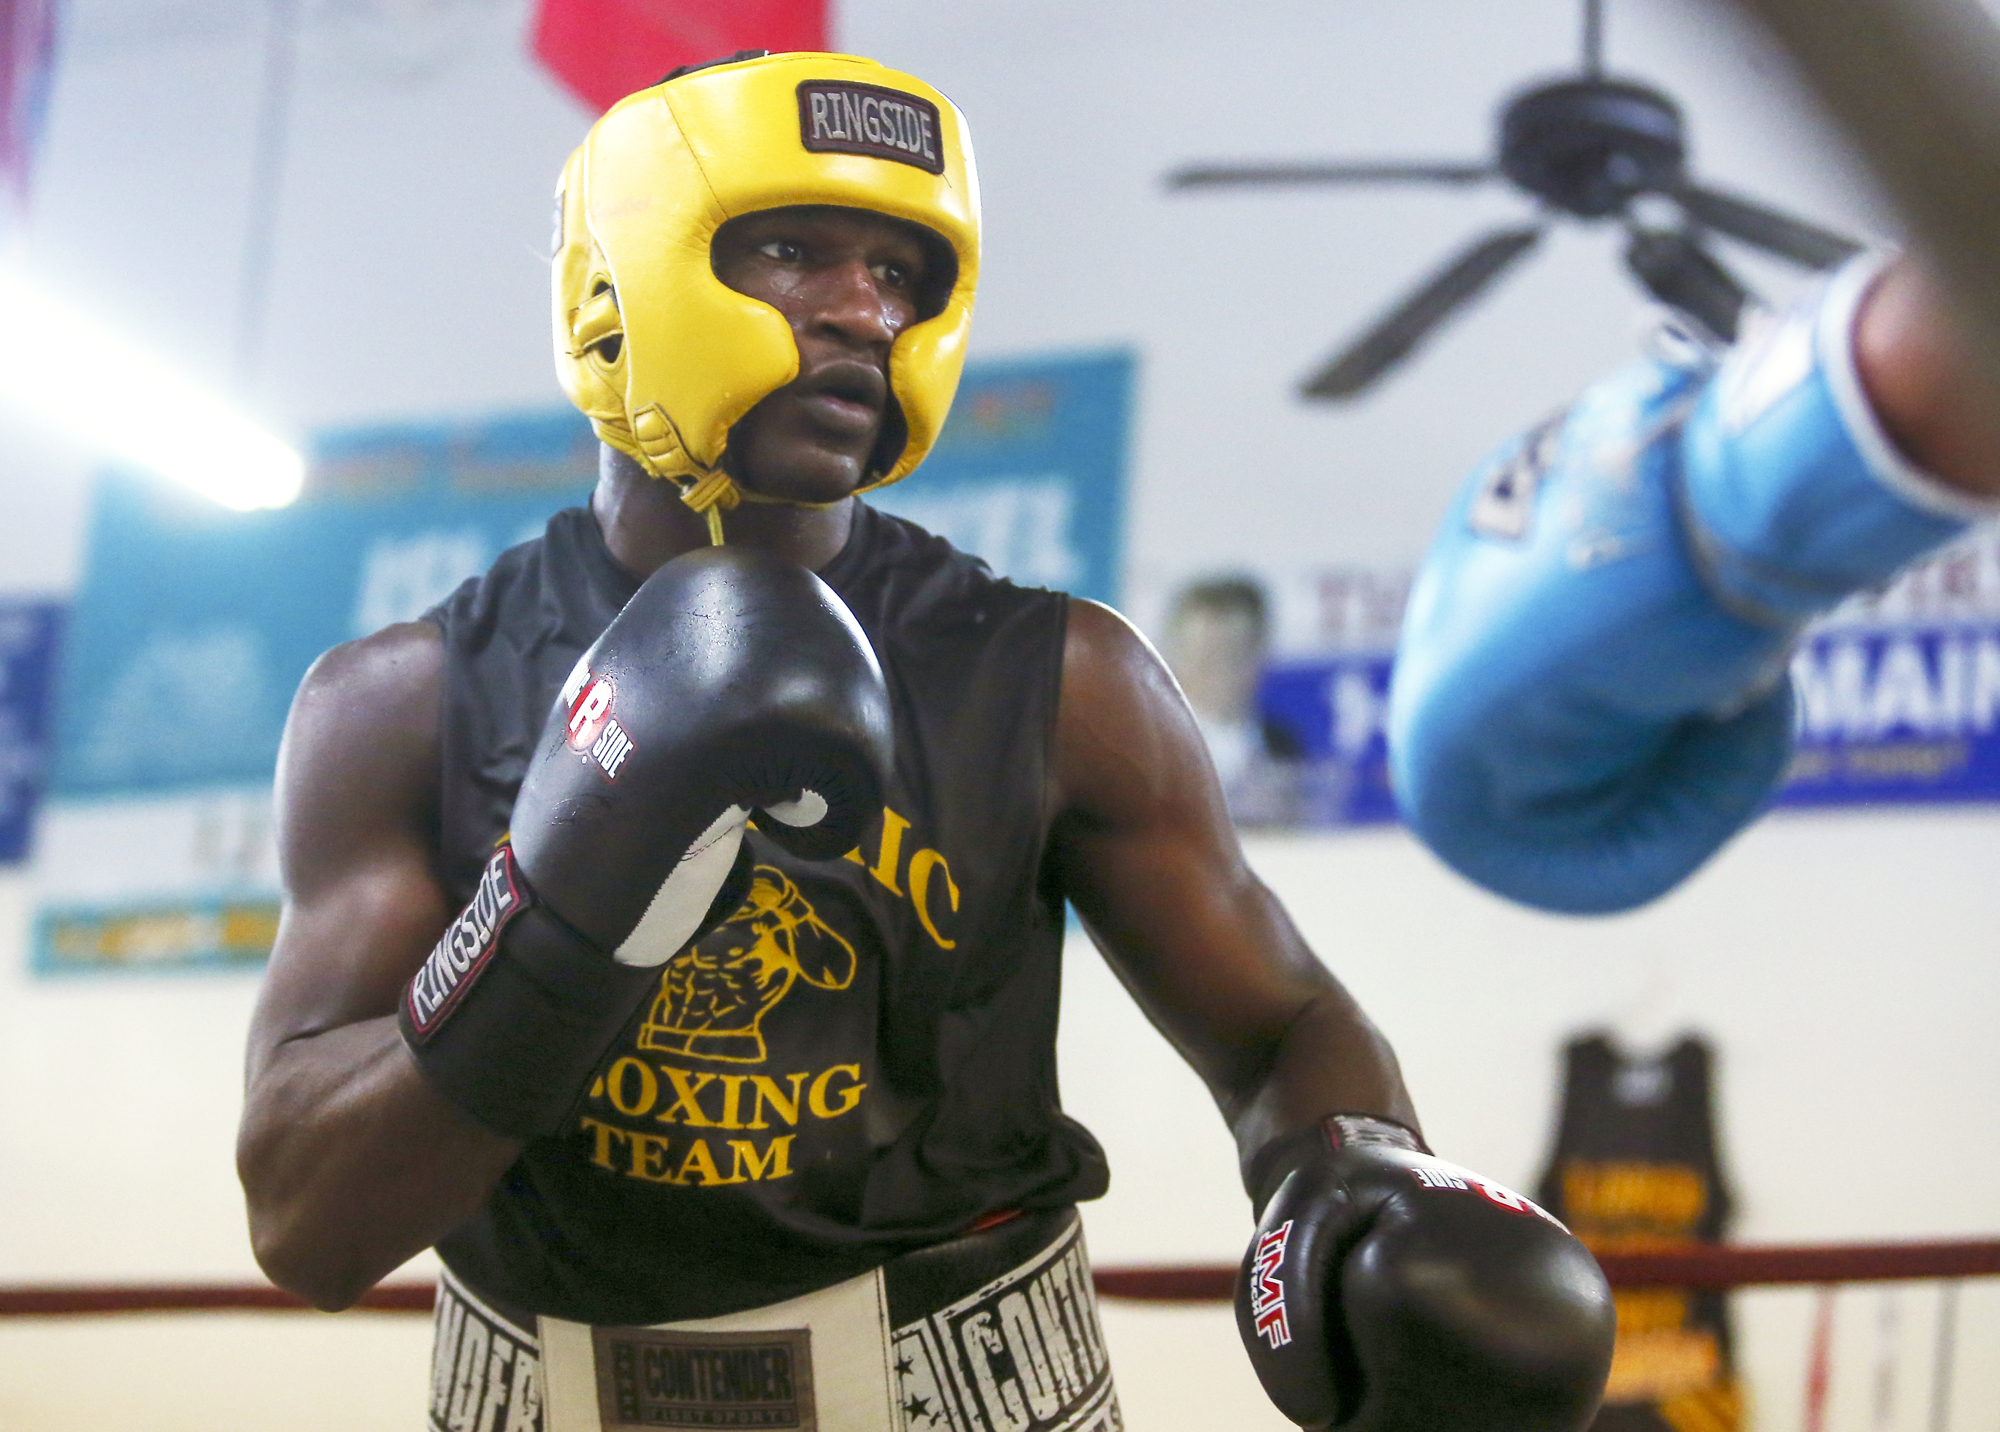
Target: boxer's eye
{"type": "Point", "coordinates": [784, 251]}
{"type": "Point", "coordinates": [895, 275]}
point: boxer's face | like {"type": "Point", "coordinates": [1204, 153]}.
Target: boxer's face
{"type": "Point", "coordinates": [848, 282]}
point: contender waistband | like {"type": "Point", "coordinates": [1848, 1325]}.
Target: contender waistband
{"type": "Point", "coordinates": [994, 1330]}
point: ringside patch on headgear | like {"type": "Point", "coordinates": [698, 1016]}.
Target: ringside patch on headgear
{"type": "Point", "coordinates": [867, 119]}
{"type": "Point", "coordinates": [660, 354]}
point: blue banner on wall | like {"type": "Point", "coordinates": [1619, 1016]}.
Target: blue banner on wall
{"type": "Point", "coordinates": [1334, 710]}
{"type": "Point", "coordinates": [1903, 716]}
{"type": "Point", "coordinates": [29, 633]}
{"type": "Point", "coordinates": [191, 632]}
{"type": "Point", "coordinates": [1029, 471]}
{"type": "Point", "coordinates": [195, 625]}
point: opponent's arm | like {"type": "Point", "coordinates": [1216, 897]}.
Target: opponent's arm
{"type": "Point", "coordinates": [349, 1161]}
{"type": "Point", "coordinates": [1916, 87]}
{"type": "Point", "coordinates": [1922, 382]}
{"type": "Point", "coordinates": [1385, 1291]}
{"type": "Point", "coordinates": [1149, 858]}
{"type": "Point", "coordinates": [1590, 692]}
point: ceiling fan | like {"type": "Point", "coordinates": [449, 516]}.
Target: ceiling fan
{"type": "Point", "coordinates": [1586, 146]}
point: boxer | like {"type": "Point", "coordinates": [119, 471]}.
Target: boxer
{"type": "Point", "coordinates": [674, 915]}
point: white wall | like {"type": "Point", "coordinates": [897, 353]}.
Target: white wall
{"type": "Point", "coordinates": [1839, 960]}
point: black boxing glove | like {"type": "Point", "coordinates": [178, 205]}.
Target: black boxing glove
{"type": "Point", "coordinates": [1389, 1291]}
{"type": "Point", "coordinates": [732, 683]}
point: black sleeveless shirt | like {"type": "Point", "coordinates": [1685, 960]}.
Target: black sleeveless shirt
{"type": "Point", "coordinates": [861, 1060]}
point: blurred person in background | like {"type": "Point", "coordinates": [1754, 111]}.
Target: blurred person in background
{"type": "Point", "coordinates": [1218, 639]}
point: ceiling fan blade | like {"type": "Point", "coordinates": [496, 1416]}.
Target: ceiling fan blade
{"type": "Point", "coordinates": [1804, 244]}
{"type": "Point", "coordinates": [1216, 176]}
{"type": "Point", "coordinates": [1683, 275]}
{"type": "Point", "coordinates": [1418, 313]}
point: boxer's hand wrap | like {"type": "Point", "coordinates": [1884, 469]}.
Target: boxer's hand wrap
{"type": "Point", "coordinates": [1590, 693]}
{"type": "Point", "coordinates": [732, 682]}
{"type": "Point", "coordinates": [1389, 1291]}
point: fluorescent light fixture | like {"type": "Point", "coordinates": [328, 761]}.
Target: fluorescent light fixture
{"type": "Point", "coordinates": [60, 367]}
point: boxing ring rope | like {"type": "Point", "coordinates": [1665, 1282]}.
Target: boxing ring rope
{"type": "Point", "coordinates": [1700, 1266]}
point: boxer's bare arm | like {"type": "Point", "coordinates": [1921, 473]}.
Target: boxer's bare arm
{"type": "Point", "coordinates": [1921, 378]}
{"type": "Point", "coordinates": [1146, 851]}
{"type": "Point", "coordinates": [349, 1162]}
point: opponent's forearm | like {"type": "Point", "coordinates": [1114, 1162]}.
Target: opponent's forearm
{"type": "Point", "coordinates": [351, 1164]}
{"type": "Point", "coordinates": [1920, 376]}
{"type": "Point", "coordinates": [1915, 85]}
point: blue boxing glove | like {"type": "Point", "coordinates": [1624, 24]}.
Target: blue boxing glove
{"type": "Point", "coordinates": [1590, 694]}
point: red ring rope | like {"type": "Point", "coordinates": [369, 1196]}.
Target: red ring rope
{"type": "Point", "coordinates": [1700, 1266]}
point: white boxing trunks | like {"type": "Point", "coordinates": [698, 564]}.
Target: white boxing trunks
{"type": "Point", "coordinates": [996, 1331]}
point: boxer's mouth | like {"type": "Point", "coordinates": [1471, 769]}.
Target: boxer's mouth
{"type": "Point", "coordinates": [845, 396]}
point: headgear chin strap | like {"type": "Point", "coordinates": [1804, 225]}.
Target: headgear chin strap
{"type": "Point", "coordinates": [661, 355]}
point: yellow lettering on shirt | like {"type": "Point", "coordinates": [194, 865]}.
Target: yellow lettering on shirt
{"type": "Point", "coordinates": [649, 1158]}
{"type": "Point", "coordinates": [602, 1134]}
{"type": "Point", "coordinates": [921, 866]}
{"type": "Point", "coordinates": [687, 1109]}
{"type": "Point", "coordinates": [753, 1167]}
{"type": "Point", "coordinates": [889, 868]}
{"type": "Point", "coordinates": [699, 1162]}
{"type": "Point", "coordinates": [619, 1085]}
{"type": "Point", "coordinates": [732, 1100]}
{"type": "Point", "coordinates": [766, 1091]}
{"type": "Point", "coordinates": [849, 1096]}
{"type": "Point", "coordinates": [696, 1024]}
{"type": "Point", "coordinates": [1630, 1195]}
{"type": "Point", "coordinates": [893, 827]}
{"type": "Point", "coordinates": [700, 1099]}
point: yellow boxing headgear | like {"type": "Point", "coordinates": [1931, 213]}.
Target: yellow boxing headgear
{"type": "Point", "coordinates": [663, 357]}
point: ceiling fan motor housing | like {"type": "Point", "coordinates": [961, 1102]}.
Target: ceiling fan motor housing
{"type": "Point", "coordinates": [1588, 146]}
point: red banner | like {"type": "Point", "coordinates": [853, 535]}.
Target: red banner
{"type": "Point", "coordinates": [27, 37]}
{"type": "Point", "coordinates": [603, 50]}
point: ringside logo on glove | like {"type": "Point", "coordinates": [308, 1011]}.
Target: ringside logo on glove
{"type": "Point", "coordinates": [467, 944]}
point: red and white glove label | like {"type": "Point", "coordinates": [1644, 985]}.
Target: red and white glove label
{"type": "Point", "coordinates": [1450, 1176]}
{"type": "Point", "coordinates": [592, 728]}
{"type": "Point", "coordinates": [1267, 1289]}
